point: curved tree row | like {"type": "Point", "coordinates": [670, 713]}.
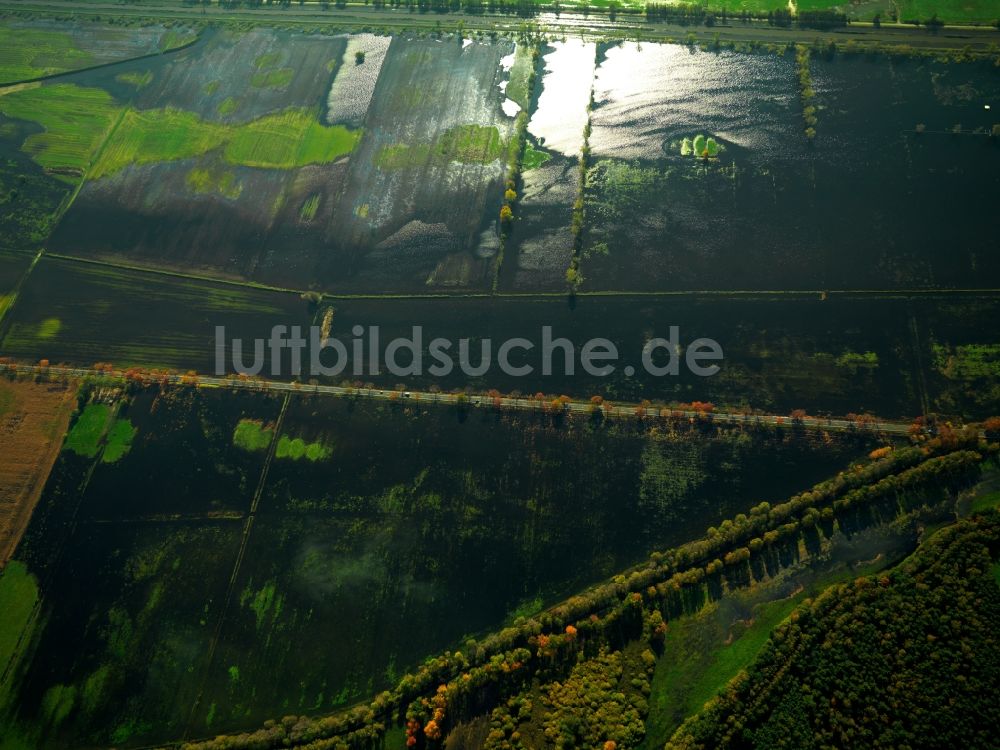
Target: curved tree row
{"type": "Point", "coordinates": [907, 658]}
{"type": "Point", "coordinates": [454, 687]}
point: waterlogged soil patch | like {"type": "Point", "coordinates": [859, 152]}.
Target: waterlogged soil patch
{"type": "Point", "coordinates": [779, 353]}
{"type": "Point", "coordinates": [961, 355]}
{"type": "Point", "coordinates": [540, 244]}
{"type": "Point", "coordinates": [213, 159]}
{"type": "Point", "coordinates": [13, 266]}
{"type": "Point", "coordinates": [421, 201]}
{"type": "Point", "coordinates": [29, 193]}
{"type": "Point", "coordinates": [353, 87]}
{"type": "Point", "coordinates": [118, 660]}
{"type": "Point", "coordinates": [426, 527]}
{"type": "Point", "coordinates": [135, 318]}
{"type": "Point", "coordinates": [774, 209]}
{"type": "Point", "coordinates": [181, 428]}
{"type": "Point", "coordinates": [732, 215]}
{"type": "Point", "coordinates": [920, 127]}
{"type": "Point", "coordinates": [154, 534]}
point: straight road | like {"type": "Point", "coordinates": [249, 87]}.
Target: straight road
{"type": "Point", "coordinates": [471, 401]}
{"type": "Point", "coordinates": [599, 25]}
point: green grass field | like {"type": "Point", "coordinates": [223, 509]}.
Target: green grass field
{"type": "Point", "coordinates": [296, 448]}
{"type": "Point", "coordinates": [135, 78]}
{"type": "Point", "coordinates": [533, 158]}
{"type": "Point", "coordinates": [152, 136]}
{"type": "Point", "coordinates": [77, 121]}
{"type": "Point", "coordinates": [119, 441]}
{"type": "Point", "coordinates": [293, 138]}
{"type": "Point", "coordinates": [84, 437]}
{"type": "Point", "coordinates": [208, 181]}
{"type": "Point", "coordinates": [30, 53]}
{"type": "Point", "coordinates": [468, 144]}
{"type": "Point", "coordinates": [950, 11]}
{"type": "Point", "coordinates": [272, 79]}
{"type": "Point", "coordinates": [251, 435]}
{"type": "Point", "coordinates": [982, 12]}
{"type": "Point", "coordinates": [18, 595]}
{"type": "Point", "coordinates": [705, 651]}
{"type": "Point", "coordinates": [520, 74]}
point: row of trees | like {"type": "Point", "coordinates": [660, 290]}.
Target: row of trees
{"type": "Point", "coordinates": [614, 614]}
{"type": "Point", "coordinates": [574, 278]}
{"type": "Point", "coordinates": [514, 156]}
{"type": "Point", "coordinates": [806, 92]}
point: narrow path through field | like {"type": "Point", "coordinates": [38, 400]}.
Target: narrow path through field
{"type": "Point", "coordinates": [17, 289]}
{"type": "Point", "coordinates": [245, 538]}
{"type": "Point", "coordinates": [458, 296]}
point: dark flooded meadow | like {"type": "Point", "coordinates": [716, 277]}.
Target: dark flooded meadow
{"type": "Point", "coordinates": [202, 560]}
{"type": "Point", "coordinates": [380, 534]}
{"type": "Point", "coordinates": [774, 209]}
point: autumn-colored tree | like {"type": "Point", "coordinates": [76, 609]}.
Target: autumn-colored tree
{"type": "Point", "coordinates": [882, 452]}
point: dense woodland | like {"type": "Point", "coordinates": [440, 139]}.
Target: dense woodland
{"type": "Point", "coordinates": [902, 660]}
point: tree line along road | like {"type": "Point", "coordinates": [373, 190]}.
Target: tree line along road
{"type": "Point", "coordinates": [518, 403]}
{"type": "Point", "coordinates": [596, 24]}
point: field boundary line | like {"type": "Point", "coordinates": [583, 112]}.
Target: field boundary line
{"type": "Point", "coordinates": [140, 269]}
{"type": "Point", "coordinates": [16, 293]}
{"type": "Point", "coordinates": [924, 391]}
{"type": "Point", "coordinates": [57, 559]}
{"type": "Point", "coordinates": [804, 294]}
{"type": "Point", "coordinates": [100, 66]}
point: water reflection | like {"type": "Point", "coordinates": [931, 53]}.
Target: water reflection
{"type": "Point", "coordinates": [561, 115]}
{"type": "Point", "coordinates": [647, 96]}
{"type": "Point", "coordinates": [352, 89]}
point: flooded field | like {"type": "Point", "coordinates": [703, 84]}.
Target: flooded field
{"type": "Point", "coordinates": [246, 151]}
{"type": "Point", "coordinates": [771, 208]}
{"type": "Point", "coordinates": [541, 243]}
{"type": "Point", "coordinates": [13, 266]}
{"type": "Point", "coordinates": [256, 155]}
{"type": "Point", "coordinates": [29, 197]}
{"type": "Point", "coordinates": [104, 314]}
{"type": "Point", "coordinates": [201, 560]}
{"type": "Point", "coordinates": [273, 143]}
{"type": "Point", "coordinates": [452, 527]}
{"type": "Point", "coordinates": [780, 353]}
